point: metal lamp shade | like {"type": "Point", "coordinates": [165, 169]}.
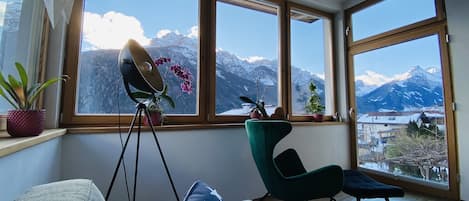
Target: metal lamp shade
{"type": "Point", "coordinates": [139, 70]}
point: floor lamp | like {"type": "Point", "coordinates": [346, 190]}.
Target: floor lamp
{"type": "Point", "coordinates": [139, 71]}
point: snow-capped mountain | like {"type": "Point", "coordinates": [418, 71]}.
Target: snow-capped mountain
{"type": "Point", "coordinates": [413, 89]}
{"type": "Point", "coordinates": [253, 77]}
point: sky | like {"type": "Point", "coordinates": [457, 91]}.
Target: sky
{"type": "Point", "coordinates": [252, 34]}
{"type": "Point", "coordinates": [399, 58]}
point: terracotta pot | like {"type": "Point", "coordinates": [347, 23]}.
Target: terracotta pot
{"type": "Point", "coordinates": [24, 123]}
{"type": "Point", "coordinates": [255, 114]}
{"type": "Point", "coordinates": [317, 117]}
{"type": "Point", "coordinates": [156, 119]}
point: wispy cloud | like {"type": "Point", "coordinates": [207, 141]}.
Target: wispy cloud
{"type": "Point", "coordinates": [163, 32]}
{"type": "Point", "coordinates": [193, 32]}
{"type": "Point", "coordinates": [373, 78]}
{"type": "Point", "coordinates": [112, 30]}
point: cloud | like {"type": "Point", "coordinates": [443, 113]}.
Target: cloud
{"type": "Point", "coordinates": [373, 78]}
{"type": "Point", "coordinates": [162, 33]}
{"type": "Point", "coordinates": [112, 30]}
{"type": "Point", "coordinates": [193, 32]}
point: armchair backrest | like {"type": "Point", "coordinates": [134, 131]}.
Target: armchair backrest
{"type": "Point", "coordinates": [285, 177]}
{"type": "Point", "coordinates": [263, 136]}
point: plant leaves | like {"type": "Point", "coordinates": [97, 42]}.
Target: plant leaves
{"type": "Point", "coordinates": [141, 94]}
{"type": "Point", "coordinates": [12, 102]}
{"type": "Point", "coordinates": [247, 100]}
{"type": "Point", "coordinates": [23, 77]}
{"type": "Point", "coordinates": [35, 93]}
{"type": "Point", "coordinates": [169, 99]}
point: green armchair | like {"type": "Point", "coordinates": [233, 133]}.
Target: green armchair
{"type": "Point", "coordinates": [320, 183]}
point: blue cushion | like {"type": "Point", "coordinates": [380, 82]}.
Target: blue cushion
{"type": "Point", "coordinates": [200, 191]}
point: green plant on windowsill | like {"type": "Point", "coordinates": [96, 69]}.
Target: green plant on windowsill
{"type": "Point", "coordinates": [313, 105]}
{"type": "Point", "coordinates": [25, 119]}
{"type": "Point", "coordinates": [258, 111]}
{"type": "Point", "coordinates": [153, 104]}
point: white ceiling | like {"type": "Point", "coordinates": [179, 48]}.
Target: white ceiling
{"type": "Point", "coordinates": [326, 5]}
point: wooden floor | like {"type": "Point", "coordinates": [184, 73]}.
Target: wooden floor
{"type": "Point", "coordinates": [344, 197]}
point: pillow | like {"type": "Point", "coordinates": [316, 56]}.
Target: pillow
{"type": "Point", "coordinates": [200, 191]}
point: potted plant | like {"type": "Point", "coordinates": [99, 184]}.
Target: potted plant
{"type": "Point", "coordinates": [153, 104]}
{"type": "Point", "coordinates": [258, 112]}
{"type": "Point", "coordinates": [313, 105]}
{"type": "Point", "coordinates": [153, 100]}
{"type": "Point", "coordinates": [25, 119]}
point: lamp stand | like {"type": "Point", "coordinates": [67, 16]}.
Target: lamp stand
{"type": "Point", "coordinates": [140, 108]}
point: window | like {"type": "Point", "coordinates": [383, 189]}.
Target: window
{"type": "Point", "coordinates": [398, 87]}
{"type": "Point", "coordinates": [20, 41]}
{"type": "Point", "coordinates": [398, 14]}
{"type": "Point", "coordinates": [400, 92]}
{"type": "Point", "coordinates": [240, 51]}
{"type": "Point", "coordinates": [107, 26]}
{"type": "Point", "coordinates": [311, 59]}
{"type": "Point", "coordinates": [246, 57]}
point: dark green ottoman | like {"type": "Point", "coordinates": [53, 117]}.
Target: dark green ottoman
{"type": "Point", "coordinates": [361, 186]}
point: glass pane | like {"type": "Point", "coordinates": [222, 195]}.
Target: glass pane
{"type": "Point", "coordinates": [388, 15]}
{"type": "Point", "coordinates": [401, 115]}
{"type": "Point", "coordinates": [108, 25]}
{"type": "Point", "coordinates": [19, 40]}
{"type": "Point", "coordinates": [309, 60]}
{"type": "Point", "coordinates": [246, 58]}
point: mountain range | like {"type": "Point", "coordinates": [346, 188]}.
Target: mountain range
{"type": "Point", "coordinates": [235, 76]}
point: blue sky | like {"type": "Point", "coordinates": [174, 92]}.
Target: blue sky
{"type": "Point", "coordinates": [249, 33]}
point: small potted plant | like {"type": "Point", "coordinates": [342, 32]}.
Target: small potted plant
{"type": "Point", "coordinates": [313, 105]}
{"type": "Point", "coordinates": [25, 119]}
{"type": "Point", "coordinates": [153, 101]}
{"type": "Point", "coordinates": [258, 112]}
{"type": "Point", "coordinates": [153, 104]}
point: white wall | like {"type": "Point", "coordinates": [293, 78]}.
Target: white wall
{"type": "Point", "coordinates": [32, 166]}
{"type": "Point", "coordinates": [458, 28]}
{"type": "Point", "coordinates": [220, 157]}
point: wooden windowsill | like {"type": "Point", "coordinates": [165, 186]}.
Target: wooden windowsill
{"type": "Point", "coordinates": [94, 130]}
{"type": "Point", "coordinates": [9, 145]}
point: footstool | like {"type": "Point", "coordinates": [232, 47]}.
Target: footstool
{"type": "Point", "coordinates": [361, 186]}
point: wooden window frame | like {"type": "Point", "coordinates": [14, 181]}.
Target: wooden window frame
{"type": "Point", "coordinates": [330, 18]}
{"type": "Point", "coordinates": [207, 68]}
{"type": "Point", "coordinates": [212, 116]}
{"type": "Point", "coordinates": [70, 119]}
{"type": "Point", "coordinates": [432, 26]}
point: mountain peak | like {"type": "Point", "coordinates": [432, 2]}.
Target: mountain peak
{"type": "Point", "coordinates": [416, 69]}
{"type": "Point", "coordinates": [173, 38]}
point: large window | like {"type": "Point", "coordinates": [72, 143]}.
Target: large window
{"type": "Point", "coordinates": [246, 58]}
{"type": "Point", "coordinates": [21, 32]}
{"type": "Point", "coordinates": [311, 59]}
{"type": "Point", "coordinates": [108, 25]}
{"type": "Point", "coordinates": [233, 48]}
{"type": "Point", "coordinates": [401, 96]}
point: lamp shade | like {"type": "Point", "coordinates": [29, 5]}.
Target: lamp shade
{"type": "Point", "coordinates": [139, 70]}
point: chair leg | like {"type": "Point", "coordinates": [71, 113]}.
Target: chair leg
{"type": "Point", "coordinates": [386, 198]}
{"type": "Point", "coordinates": [358, 199]}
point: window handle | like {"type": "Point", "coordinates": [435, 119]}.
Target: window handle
{"type": "Point", "coordinates": [351, 113]}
